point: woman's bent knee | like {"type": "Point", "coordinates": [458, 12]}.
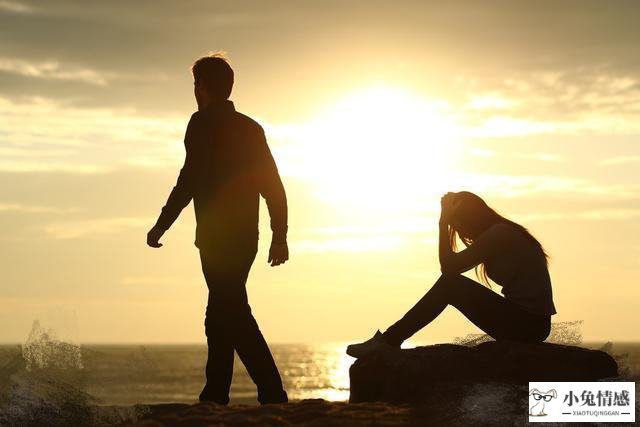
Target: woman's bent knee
{"type": "Point", "coordinates": [450, 276]}
{"type": "Point", "coordinates": [450, 279]}
{"type": "Point", "coordinates": [455, 282]}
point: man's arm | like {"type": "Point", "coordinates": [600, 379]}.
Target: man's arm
{"type": "Point", "coordinates": [271, 188]}
{"type": "Point", "coordinates": [182, 192]}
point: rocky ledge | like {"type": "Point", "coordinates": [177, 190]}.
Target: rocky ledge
{"type": "Point", "coordinates": [447, 371]}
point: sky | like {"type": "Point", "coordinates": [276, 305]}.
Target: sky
{"type": "Point", "coordinates": [372, 110]}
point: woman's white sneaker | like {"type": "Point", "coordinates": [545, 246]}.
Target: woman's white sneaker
{"type": "Point", "coordinates": [373, 345]}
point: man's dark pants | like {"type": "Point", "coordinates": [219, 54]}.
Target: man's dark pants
{"type": "Point", "coordinates": [229, 325]}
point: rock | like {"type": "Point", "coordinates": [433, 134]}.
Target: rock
{"type": "Point", "coordinates": [446, 372]}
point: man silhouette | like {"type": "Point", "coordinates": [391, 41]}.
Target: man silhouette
{"type": "Point", "coordinates": [228, 165]}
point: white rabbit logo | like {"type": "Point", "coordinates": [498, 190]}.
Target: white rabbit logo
{"type": "Point", "coordinates": [537, 400]}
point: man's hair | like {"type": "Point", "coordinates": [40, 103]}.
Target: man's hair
{"type": "Point", "coordinates": [215, 73]}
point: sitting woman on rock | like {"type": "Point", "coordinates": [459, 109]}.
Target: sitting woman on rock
{"type": "Point", "coordinates": [501, 250]}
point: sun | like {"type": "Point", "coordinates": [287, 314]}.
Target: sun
{"type": "Point", "coordinates": [379, 149]}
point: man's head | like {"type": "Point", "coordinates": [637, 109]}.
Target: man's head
{"type": "Point", "coordinates": [212, 79]}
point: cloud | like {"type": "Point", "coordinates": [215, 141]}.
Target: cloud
{"type": "Point", "coordinates": [522, 185]}
{"type": "Point", "coordinates": [490, 102]}
{"type": "Point", "coordinates": [581, 61]}
{"type": "Point", "coordinates": [488, 154]}
{"type": "Point", "coordinates": [353, 244]}
{"type": "Point", "coordinates": [40, 134]}
{"type": "Point", "coordinates": [35, 166]}
{"type": "Point", "coordinates": [409, 225]}
{"type": "Point", "coordinates": [586, 215]}
{"type": "Point", "coordinates": [53, 70]}
{"type": "Point", "coordinates": [122, 54]}
{"type": "Point", "coordinates": [620, 160]}
{"type": "Point", "coordinates": [509, 126]}
{"type": "Point", "coordinates": [152, 280]}
{"type": "Point", "coordinates": [15, 7]}
{"type": "Point", "coordinates": [592, 98]}
{"type": "Point", "coordinates": [480, 42]}
{"type": "Point", "coordinates": [18, 207]}
{"type": "Point", "coordinates": [94, 227]}
{"type": "Point", "coordinates": [543, 157]}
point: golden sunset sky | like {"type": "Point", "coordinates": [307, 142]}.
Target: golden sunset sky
{"type": "Point", "coordinates": [372, 110]}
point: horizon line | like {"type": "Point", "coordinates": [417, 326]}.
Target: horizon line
{"type": "Point", "coordinates": [203, 343]}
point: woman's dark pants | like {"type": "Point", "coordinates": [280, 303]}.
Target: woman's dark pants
{"type": "Point", "coordinates": [494, 314]}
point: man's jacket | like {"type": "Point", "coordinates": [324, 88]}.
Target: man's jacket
{"type": "Point", "coordinates": [228, 165]}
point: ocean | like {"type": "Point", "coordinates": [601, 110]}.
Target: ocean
{"type": "Point", "coordinates": [123, 375]}
{"type": "Point", "coordinates": [131, 374]}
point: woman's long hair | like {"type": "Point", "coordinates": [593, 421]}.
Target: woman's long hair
{"type": "Point", "coordinates": [474, 212]}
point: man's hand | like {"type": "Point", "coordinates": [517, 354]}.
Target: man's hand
{"type": "Point", "coordinates": [153, 236]}
{"type": "Point", "coordinates": [278, 254]}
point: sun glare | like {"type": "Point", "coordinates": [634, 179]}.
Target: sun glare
{"type": "Point", "coordinates": [379, 149]}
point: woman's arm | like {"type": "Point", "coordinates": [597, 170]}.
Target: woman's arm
{"type": "Point", "coordinates": [483, 247]}
{"type": "Point", "coordinates": [488, 244]}
{"type": "Point", "coordinates": [445, 251]}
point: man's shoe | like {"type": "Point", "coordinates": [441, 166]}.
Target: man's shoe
{"type": "Point", "coordinates": [373, 345]}
{"type": "Point", "coordinates": [206, 396]}
{"type": "Point", "coordinates": [268, 398]}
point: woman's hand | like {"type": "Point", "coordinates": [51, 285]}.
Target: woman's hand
{"type": "Point", "coordinates": [448, 205]}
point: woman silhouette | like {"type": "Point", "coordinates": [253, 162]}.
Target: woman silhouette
{"type": "Point", "coordinates": [501, 250]}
